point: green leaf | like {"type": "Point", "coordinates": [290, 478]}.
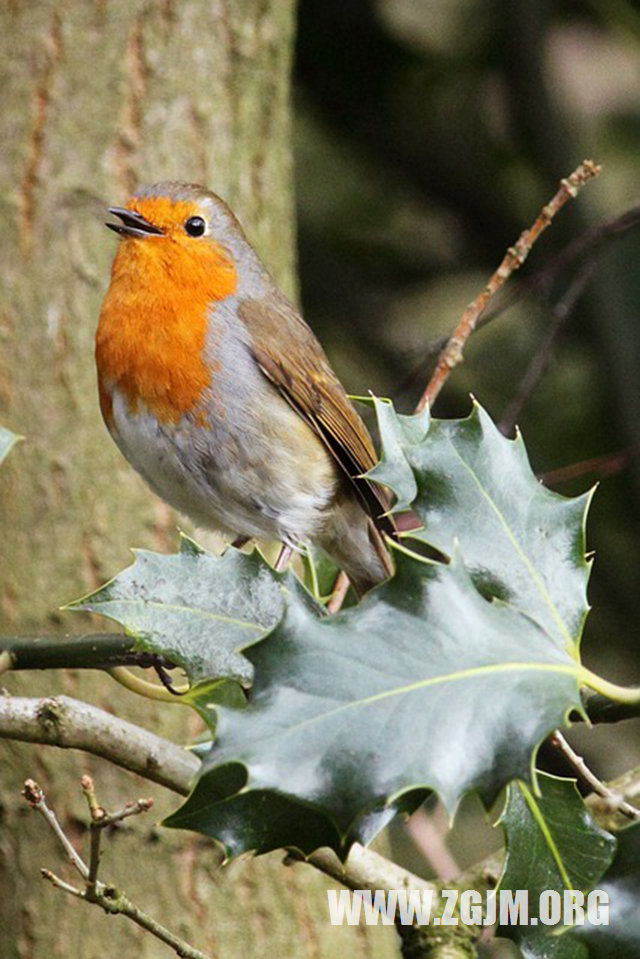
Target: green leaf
{"type": "Point", "coordinates": [257, 820]}
{"type": "Point", "coordinates": [198, 610]}
{"type": "Point", "coordinates": [399, 434]}
{"type": "Point", "coordinates": [521, 542]}
{"type": "Point", "coordinates": [552, 842]}
{"type": "Point", "coordinates": [352, 713]}
{"type": "Point", "coordinates": [205, 696]}
{"type": "Point", "coordinates": [562, 946]}
{"type": "Point", "coordinates": [7, 441]}
{"type": "Point", "coordinates": [619, 937]}
{"type": "Point", "coordinates": [320, 572]}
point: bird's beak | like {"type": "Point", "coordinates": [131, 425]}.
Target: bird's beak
{"type": "Point", "coordinates": [133, 224]}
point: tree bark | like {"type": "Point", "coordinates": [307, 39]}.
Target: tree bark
{"type": "Point", "coordinates": [98, 98]}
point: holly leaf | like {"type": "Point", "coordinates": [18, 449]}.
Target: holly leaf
{"type": "Point", "coordinates": [522, 543]}
{"type": "Point", "coordinates": [351, 713]}
{"type": "Point", "coordinates": [320, 572]}
{"type": "Point", "coordinates": [551, 841]}
{"type": "Point", "coordinates": [552, 844]}
{"type": "Point", "coordinates": [199, 610]}
{"type": "Point", "coordinates": [205, 696]}
{"type": "Point", "coordinates": [7, 441]}
{"type": "Point", "coordinates": [562, 946]}
{"type": "Point", "coordinates": [399, 434]}
{"type": "Point", "coordinates": [612, 926]}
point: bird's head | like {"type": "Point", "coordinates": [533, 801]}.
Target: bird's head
{"type": "Point", "coordinates": [184, 231]}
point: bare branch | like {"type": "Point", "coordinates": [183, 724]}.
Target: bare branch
{"type": "Point", "coordinates": [98, 814]}
{"type": "Point", "coordinates": [559, 316]}
{"type": "Point", "coordinates": [76, 725]}
{"type": "Point", "coordinates": [131, 809]}
{"type": "Point", "coordinates": [61, 884]}
{"type": "Point", "coordinates": [515, 256]}
{"type": "Point", "coordinates": [35, 797]}
{"type": "Point", "coordinates": [607, 465]}
{"type": "Point", "coordinates": [112, 900]}
{"type": "Point", "coordinates": [366, 869]}
{"type": "Point", "coordinates": [70, 724]}
{"type": "Point", "coordinates": [588, 246]}
{"type": "Point", "coordinates": [96, 811]}
{"type": "Point", "coordinates": [340, 590]}
{"type": "Point", "coordinates": [428, 831]}
{"type": "Point", "coordinates": [614, 800]}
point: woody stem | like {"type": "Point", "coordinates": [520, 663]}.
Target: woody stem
{"type": "Point", "coordinates": [91, 651]}
{"type": "Point", "coordinates": [515, 256]}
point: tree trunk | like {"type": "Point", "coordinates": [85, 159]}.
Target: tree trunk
{"type": "Point", "coordinates": [99, 97]}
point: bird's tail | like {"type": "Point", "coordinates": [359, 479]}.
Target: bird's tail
{"type": "Point", "coordinates": [356, 544]}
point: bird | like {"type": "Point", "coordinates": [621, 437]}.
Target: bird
{"type": "Point", "coordinates": [219, 394]}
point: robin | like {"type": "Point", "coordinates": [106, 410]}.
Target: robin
{"type": "Point", "coordinates": [219, 394]}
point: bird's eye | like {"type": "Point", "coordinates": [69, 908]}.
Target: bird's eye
{"type": "Point", "coordinates": [195, 226]}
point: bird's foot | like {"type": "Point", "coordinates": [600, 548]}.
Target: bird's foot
{"type": "Point", "coordinates": [240, 541]}
{"type": "Point", "coordinates": [284, 556]}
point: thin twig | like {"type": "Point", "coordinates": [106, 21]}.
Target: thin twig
{"type": "Point", "coordinates": [117, 903]}
{"type": "Point", "coordinates": [584, 247]}
{"type": "Point", "coordinates": [35, 797]}
{"type": "Point", "coordinates": [588, 245]}
{"type": "Point", "coordinates": [61, 884]}
{"type": "Point", "coordinates": [539, 362]}
{"type": "Point", "coordinates": [451, 354]}
{"type": "Point", "coordinates": [131, 809]}
{"type": "Point", "coordinates": [110, 899]}
{"type": "Point", "coordinates": [71, 723]}
{"type": "Point", "coordinates": [428, 832]}
{"type": "Point", "coordinates": [607, 465]}
{"type": "Point", "coordinates": [515, 256]}
{"type": "Point", "coordinates": [615, 801]}
{"type": "Point", "coordinates": [96, 811]}
{"type": "Point", "coordinates": [364, 868]}
{"type": "Point", "coordinates": [340, 590]}
{"type": "Point", "coordinates": [94, 865]}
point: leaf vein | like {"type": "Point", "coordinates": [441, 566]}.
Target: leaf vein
{"type": "Point", "coordinates": [174, 607]}
{"type": "Point", "coordinates": [539, 583]}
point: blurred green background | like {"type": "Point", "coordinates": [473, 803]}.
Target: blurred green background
{"type": "Point", "coordinates": [428, 135]}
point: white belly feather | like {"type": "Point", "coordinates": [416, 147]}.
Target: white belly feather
{"type": "Point", "coordinates": [238, 482]}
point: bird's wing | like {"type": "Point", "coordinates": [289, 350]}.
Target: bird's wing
{"type": "Point", "coordinates": [289, 355]}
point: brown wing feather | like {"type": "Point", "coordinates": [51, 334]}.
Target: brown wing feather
{"type": "Point", "coordinates": [291, 357]}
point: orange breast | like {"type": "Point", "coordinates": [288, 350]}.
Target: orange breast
{"type": "Point", "coordinates": [153, 323]}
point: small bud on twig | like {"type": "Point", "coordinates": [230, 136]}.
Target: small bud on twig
{"type": "Point", "coordinates": [32, 792]}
